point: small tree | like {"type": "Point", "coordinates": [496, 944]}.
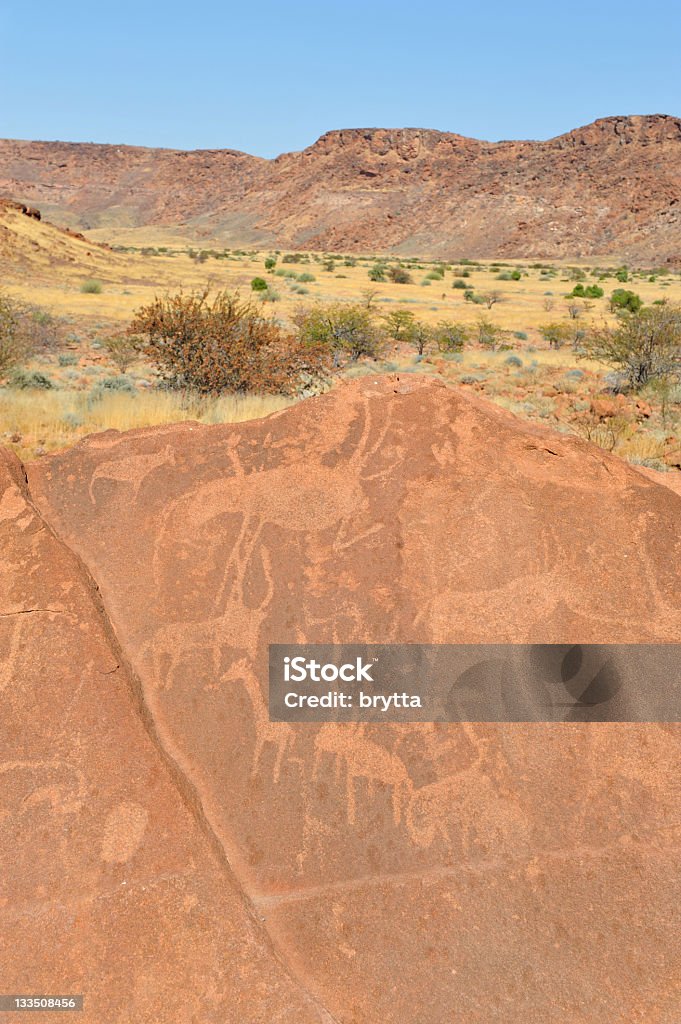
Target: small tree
{"type": "Point", "coordinates": [24, 330]}
{"type": "Point", "coordinates": [621, 298]}
{"type": "Point", "coordinates": [122, 349]}
{"type": "Point", "coordinates": [347, 331]}
{"type": "Point", "coordinates": [225, 344]}
{"type": "Point", "coordinates": [488, 332]}
{"type": "Point", "coordinates": [491, 298]}
{"type": "Point", "coordinates": [557, 334]}
{"type": "Point", "coordinates": [368, 296]}
{"type": "Point", "coordinates": [270, 263]}
{"type": "Point", "coordinates": [420, 335]}
{"type": "Point", "coordinates": [646, 345]}
{"type": "Point", "coordinates": [399, 323]}
{"type": "Point", "coordinates": [450, 336]}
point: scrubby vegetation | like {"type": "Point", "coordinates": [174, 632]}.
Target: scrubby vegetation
{"type": "Point", "coordinates": [223, 343]}
{"type": "Point", "coordinates": [599, 360]}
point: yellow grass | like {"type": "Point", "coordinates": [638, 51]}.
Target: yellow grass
{"type": "Point", "coordinates": [54, 419]}
{"type": "Point", "coordinates": [54, 266]}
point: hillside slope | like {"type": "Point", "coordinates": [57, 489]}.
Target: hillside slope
{"type": "Point", "coordinates": [33, 249]}
{"type": "Point", "coordinates": [611, 188]}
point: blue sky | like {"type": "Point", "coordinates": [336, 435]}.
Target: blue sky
{"type": "Point", "coordinates": [269, 77]}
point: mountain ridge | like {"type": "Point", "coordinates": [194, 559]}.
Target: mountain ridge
{"type": "Point", "coordinates": [612, 187]}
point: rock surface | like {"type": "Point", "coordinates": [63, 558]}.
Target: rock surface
{"type": "Point", "coordinates": [175, 843]}
{"type": "Point", "coordinates": [612, 188]}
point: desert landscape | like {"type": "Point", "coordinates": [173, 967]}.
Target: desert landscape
{"type": "Point", "coordinates": [402, 386]}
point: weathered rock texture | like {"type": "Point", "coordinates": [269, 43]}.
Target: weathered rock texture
{"type": "Point", "coordinates": [166, 841]}
{"type": "Point", "coordinates": [612, 188]}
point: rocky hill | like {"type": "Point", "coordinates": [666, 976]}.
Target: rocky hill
{"type": "Point", "coordinates": [32, 247]}
{"type": "Point", "coordinates": [611, 188]}
{"type": "Point", "coordinates": [175, 855]}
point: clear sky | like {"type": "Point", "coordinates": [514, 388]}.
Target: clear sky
{"type": "Point", "coordinates": [269, 77]}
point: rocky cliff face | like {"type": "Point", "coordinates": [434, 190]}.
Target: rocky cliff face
{"type": "Point", "coordinates": [610, 188]}
{"type": "Point", "coordinates": [175, 855]}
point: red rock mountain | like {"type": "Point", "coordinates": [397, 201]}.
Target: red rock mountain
{"type": "Point", "coordinates": [176, 856]}
{"type": "Point", "coordinates": [610, 188]}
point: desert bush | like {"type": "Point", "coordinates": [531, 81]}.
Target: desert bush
{"type": "Point", "coordinates": [589, 291]}
{"type": "Point", "coordinates": [25, 330]}
{"type": "Point", "coordinates": [122, 350]}
{"type": "Point", "coordinates": [24, 379]}
{"type": "Point", "coordinates": [91, 287]}
{"type": "Point", "coordinates": [224, 344]}
{"type": "Point", "coordinates": [398, 275]}
{"type": "Point", "coordinates": [270, 263]}
{"type": "Point", "coordinates": [420, 335]}
{"type": "Point", "coordinates": [346, 331]}
{"type": "Point", "coordinates": [399, 323]}
{"type": "Point", "coordinates": [450, 336]}
{"type": "Point", "coordinates": [646, 346]}
{"type": "Point", "coordinates": [621, 298]}
{"type": "Point", "coordinates": [622, 274]}
{"type": "Point", "coordinates": [306, 277]}
{"type": "Point", "coordinates": [292, 257]}
{"type": "Point", "coordinates": [377, 272]}
{"type": "Point", "coordinates": [13, 344]}
{"type": "Point", "coordinates": [258, 284]}
{"type": "Point", "coordinates": [557, 334]}
{"type": "Point", "coordinates": [459, 283]}
{"type": "Point", "coordinates": [491, 298]}
{"type": "Point", "coordinates": [487, 332]}
{"type": "Point", "coordinates": [121, 383]}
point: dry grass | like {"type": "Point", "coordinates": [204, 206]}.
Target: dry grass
{"type": "Point", "coordinates": [47, 420]}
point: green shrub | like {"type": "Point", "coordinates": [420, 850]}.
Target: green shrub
{"type": "Point", "coordinates": [270, 263]}
{"type": "Point", "coordinates": [122, 349]}
{"type": "Point", "coordinates": [590, 291]}
{"type": "Point", "coordinates": [623, 299]}
{"type": "Point", "coordinates": [398, 275]}
{"type": "Point", "coordinates": [258, 284]}
{"type": "Point", "coordinates": [346, 331]}
{"type": "Point", "coordinates": [91, 287]}
{"type": "Point", "coordinates": [459, 283]}
{"type": "Point", "coordinates": [307, 277]}
{"type": "Point", "coordinates": [24, 379]}
{"type": "Point", "coordinates": [450, 336]}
